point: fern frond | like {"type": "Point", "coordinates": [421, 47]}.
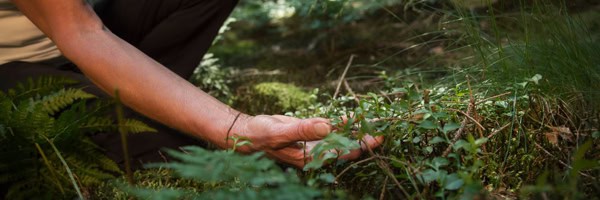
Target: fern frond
{"type": "Point", "coordinates": [98, 124]}
{"type": "Point", "coordinates": [63, 98]}
{"type": "Point", "coordinates": [42, 86]}
{"type": "Point", "coordinates": [136, 126]}
{"type": "Point", "coordinates": [29, 121]}
{"type": "Point", "coordinates": [43, 112]}
{"type": "Point", "coordinates": [105, 124]}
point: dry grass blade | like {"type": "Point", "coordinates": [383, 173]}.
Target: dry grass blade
{"type": "Point", "coordinates": [349, 89]}
{"type": "Point", "coordinates": [493, 97]}
{"type": "Point", "coordinates": [468, 117]}
{"type": "Point", "coordinates": [339, 85]}
{"type": "Point", "coordinates": [498, 131]}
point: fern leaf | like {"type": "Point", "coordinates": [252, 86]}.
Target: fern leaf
{"type": "Point", "coordinates": [29, 121]}
{"type": "Point", "coordinates": [63, 98]}
{"type": "Point", "coordinates": [40, 87]}
{"type": "Point", "coordinates": [135, 126]}
{"type": "Point", "coordinates": [98, 124]}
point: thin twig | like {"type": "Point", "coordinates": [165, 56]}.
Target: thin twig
{"type": "Point", "coordinates": [352, 165]}
{"type": "Point", "coordinates": [560, 161]}
{"type": "Point", "coordinates": [382, 194]}
{"type": "Point", "coordinates": [498, 131]}
{"type": "Point", "coordinates": [463, 124]}
{"type": "Point", "coordinates": [386, 96]}
{"type": "Point", "coordinates": [493, 97]}
{"type": "Point", "coordinates": [349, 89]}
{"type": "Point", "coordinates": [467, 115]}
{"type": "Point", "coordinates": [337, 89]}
{"type": "Point", "coordinates": [382, 164]}
{"type": "Point", "coordinates": [382, 93]}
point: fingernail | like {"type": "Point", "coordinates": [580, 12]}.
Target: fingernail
{"type": "Point", "coordinates": [322, 129]}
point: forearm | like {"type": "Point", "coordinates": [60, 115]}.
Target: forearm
{"type": "Point", "coordinates": [147, 86]}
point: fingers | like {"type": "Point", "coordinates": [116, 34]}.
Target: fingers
{"type": "Point", "coordinates": [290, 155]}
{"type": "Point", "coordinates": [305, 129]}
{"type": "Point", "coordinates": [345, 119]}
{"type": "Point", "coordinates": [300, 156]}
{"type": "Point", "coordinates": [285, 119]}
{"type": "Point", "coordinates": [368, 142]}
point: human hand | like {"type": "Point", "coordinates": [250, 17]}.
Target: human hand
{"type": "Point", "coordinates": [278, 135]}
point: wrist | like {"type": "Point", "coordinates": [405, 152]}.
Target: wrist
{"type": "Point", "coordinates": [237, 132]}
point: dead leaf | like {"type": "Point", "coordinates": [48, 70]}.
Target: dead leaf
{"type": "Point", "coordinates": [552, 138]}
{"type": "Point", "coordinates": [564, 132]}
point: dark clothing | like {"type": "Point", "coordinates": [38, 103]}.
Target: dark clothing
{"type": "Point", "coordinates": [176, 33]}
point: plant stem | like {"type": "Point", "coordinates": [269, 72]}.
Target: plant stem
{"type": "Point", "coordinates": [62, 160]}
{"type": "Point", "coordinates": [124, 144]}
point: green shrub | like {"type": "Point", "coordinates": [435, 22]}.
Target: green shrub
{"type": "Point", "coordinates": [227, 175]}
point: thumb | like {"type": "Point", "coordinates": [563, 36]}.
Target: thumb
{"type": "Point", "coordinates": [307, 129]}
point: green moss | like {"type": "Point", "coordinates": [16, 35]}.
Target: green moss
{"type": "Point", "coordinates": [155, 179]}
{"type": "Point", "coordinates": [275, 97]}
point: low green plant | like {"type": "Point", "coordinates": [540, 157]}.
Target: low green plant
{"type": "Point", "coordinates": [447, 141]}
{"type": "Point", "coordinates": [564, 185]}
{"type": "Point", "coordinates": [44, 149]}
{"type": "Point", "coordinates": [227, 175]}
{"type": "Point", "coordinates": [211, 77]}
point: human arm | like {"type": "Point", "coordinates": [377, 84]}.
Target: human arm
{"type": "Point", "coordinates": [153, 90]}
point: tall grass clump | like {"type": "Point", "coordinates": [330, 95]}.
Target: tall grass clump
{"type": "Point", "coordinates": [544, 41]}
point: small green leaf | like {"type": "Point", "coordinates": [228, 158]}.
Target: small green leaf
{"type": "Point", "coordinates": [451, 126]}
{"type": "Point", "coordinates": [480, 141]}
{"type": "Point", "coordinates": [536, 78]}
{"type": "Point", "coordinates": [399, 90]}
{"type": "Point", "coordinates": [523, 84]}
{"type": "Point", "coordinates": [428, 176]}
{"type": "Point", "coordinates": [437, 139]}
{"type": "Point", "coordinates": [440, 161]}
{"type": "Point", "coordinates": [429, 149]}
{"type": "Point", "coordinates": [416, 139]}
{"type": "Point", "coordinates": [327, 178]}
{"type": "Point", "coordinates": [427, 124]}
{"type": "Point", "coordinates": [596, 134]}
{"type": "Point", "coordinates": [461, 144]}
{"type": "Point", "coordinates": [453, 182]}
{"type": "Point", "coordinates": [366, 127]}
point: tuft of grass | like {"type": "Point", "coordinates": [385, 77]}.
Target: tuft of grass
{"type": "Point", "coordinates": [547, 42]}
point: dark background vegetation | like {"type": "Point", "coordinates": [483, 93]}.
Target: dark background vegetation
{"type": "Point", "coordinates": [476, 99]}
